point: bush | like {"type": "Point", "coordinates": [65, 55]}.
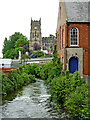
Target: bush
{"type": "Point", "coordinates": [7, 85]}
{"type": "Point", "coordinates": [77, 102]}
{"type": "Point", "coordinates": [38, 69]}
{"type": "Point", "coordinates": [32, 78]}
{"type": "Point", "coordinates": [17, 79]}
{"type": "Point", "coordinates": [44, 73]}
{"type": "Point", "coordinates": [30, 68]}
{"type": "Point", "coordinates": [61, 86]}
{"type": "Point", "coordinates": [39, 53]}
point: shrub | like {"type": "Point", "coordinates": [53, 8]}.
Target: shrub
{"type": "Point", "coordinates": [32, 78]}
{"type": "Point", "coordinates": [17, 79]}
{"type": "Point", "coordinates": [39, 53]}
{"type": "Point", "coordinates": [7, 85]}
{"type": "Point", "coordinates": [77, 102]}
{"type": "Point", "coordinates": [38, 69]}
{"type": "Point", "coordinates": [62, 86]}
{"type": "Point", "coordinates": [44, 73]}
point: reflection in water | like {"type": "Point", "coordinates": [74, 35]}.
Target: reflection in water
{"type": "Point", "coordinates": [32, 101]}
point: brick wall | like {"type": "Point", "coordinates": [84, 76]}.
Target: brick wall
{"type": "Point", "coordinates": [84, 42]}
{"type": "Point", "coordinates": [61, 43]}
{"type": "Point", "coordinates": [7, 70]}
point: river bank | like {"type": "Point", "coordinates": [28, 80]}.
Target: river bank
{"type": "Point", "coordinates": [70, 92]}
{"type": "Point", "coordinates": [15, 81]}
{"type": "Point", "coordinates": [32, 101]}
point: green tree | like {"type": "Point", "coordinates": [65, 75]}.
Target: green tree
{"type": "Point", "coordinates": [17, 40]}
{"type": "Point", "coordinates": [10, 44]}
{"type": "Point", "coordinates": [22, 41]}
{"type": "Point", "coordinates": [13, 38]}
{"type": "Point", "coordinates": [52, 36]}
{"type": "Point", "coordinates": [10, 53]}
{"type": "Point", "coordinates": [19, 49]}
{"type": "Point", "coordinates": [6, 45]}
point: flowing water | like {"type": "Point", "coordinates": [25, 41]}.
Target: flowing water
{"type": "Point", "coordinates": [31, 102]}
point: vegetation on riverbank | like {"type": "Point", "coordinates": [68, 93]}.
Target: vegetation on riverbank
{"type": "Point", "coordinates": [15, 81]}
{"type": "Point", "coordinates": [69, 92]}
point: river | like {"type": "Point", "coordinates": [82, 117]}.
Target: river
{"type": "Point", "coordinates": [31, 102]}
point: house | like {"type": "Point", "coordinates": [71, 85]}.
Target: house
{"type": "Point", "coordinates": [73, 42]}
{"type": "Point", "coordinates": [5, 63]}
{"type": "Point", "coordinates": [6, 66]}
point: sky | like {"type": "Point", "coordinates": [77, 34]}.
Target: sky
{"type": "Point", "coordinates": [15, 16]}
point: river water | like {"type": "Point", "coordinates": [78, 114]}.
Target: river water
{"type": "Point", "coordinates": [31, 102]}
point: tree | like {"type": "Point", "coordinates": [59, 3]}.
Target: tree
{"type": "Point", "coordinates": [22, 41]}
{"type": "Point", "coordinates": [10, 44]}
{"type": "Point", "coordinates": [13, 38]}
{"type": "Point", "coordinates": [10, 53]}
{"type": "Point", "coordinates": [16, 40]}
{"type": "Point", "coordinates": [6, 45]}
{"type": "Point", "coordinates": [51, 36]}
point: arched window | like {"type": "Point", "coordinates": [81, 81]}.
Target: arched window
{"type": "Point", "coordinates": [74, 36]}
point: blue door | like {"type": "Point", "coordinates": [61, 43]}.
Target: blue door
{"type": "Point", "coordinates": [73, 65]}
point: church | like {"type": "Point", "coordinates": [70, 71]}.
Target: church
{"type": "Point", "coordinates": [37, 42]}
{"type": "Point", "coordinates": [73, 42]}
{"type": "Point", "coordinates": [35, 35]}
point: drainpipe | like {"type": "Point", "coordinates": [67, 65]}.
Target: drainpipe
{"type": "Point", "coordinates": [66, 46]}
{"type": "Point", "coordinates": [67, 32]}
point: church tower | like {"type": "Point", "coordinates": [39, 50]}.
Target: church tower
{"type": "Point", "coordinates": [35, 35]}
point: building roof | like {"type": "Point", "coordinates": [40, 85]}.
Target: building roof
{"type": "Point", "coordinates": [77, 11]}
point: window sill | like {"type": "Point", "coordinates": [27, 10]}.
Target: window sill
{"type": "Point", "coordinates": [74, 45]}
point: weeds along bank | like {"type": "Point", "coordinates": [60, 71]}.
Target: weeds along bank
{"type": "Point", "coordinates": [68, 91]}
{"type": "Point", "coordinates": [15, 81]}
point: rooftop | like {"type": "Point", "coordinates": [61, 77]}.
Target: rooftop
{"type": "Point", "coordinates": [77, 11]}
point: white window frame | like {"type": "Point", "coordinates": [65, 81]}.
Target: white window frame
{"type": "Point", "coordinates": [77, 36]}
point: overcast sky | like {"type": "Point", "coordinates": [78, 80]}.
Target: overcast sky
{"type": "Point", "coordinates": [15, 16]}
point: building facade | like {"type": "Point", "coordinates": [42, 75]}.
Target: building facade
{"type": "Point", "coordinates": [37, 42]}
{"type": "Point", "coordinates": [5, 63]}
{"type": "Point", "coordinates": [73, 43]}
{"type": "Point", "coordinates": [48, 43]}
{"type": "Point", "coordinates": [35, 35]}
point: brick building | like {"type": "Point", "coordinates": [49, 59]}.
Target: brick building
{"type": "Point", "coordinates": [73, 43]}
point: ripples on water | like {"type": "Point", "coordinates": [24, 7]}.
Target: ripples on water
{"type": "Point", "coordinates": [31, 102]}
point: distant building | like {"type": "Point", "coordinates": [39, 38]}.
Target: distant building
{"type": "Point", "coordinates": [5, 63]}
{"type": "Point", "coordinates": [73, 43]}
{"type": "Point", "coordinates": [35, 35]}
{"type": "Point", "coordinates": [6, 66]}
{"type": "Point", "coordinates": [48, 43]}
{"type": "Point", "coordinates": [37, 42]}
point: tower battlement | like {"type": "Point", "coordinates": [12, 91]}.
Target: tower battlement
{"type": "Point", "coordinates": [35, 35]}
